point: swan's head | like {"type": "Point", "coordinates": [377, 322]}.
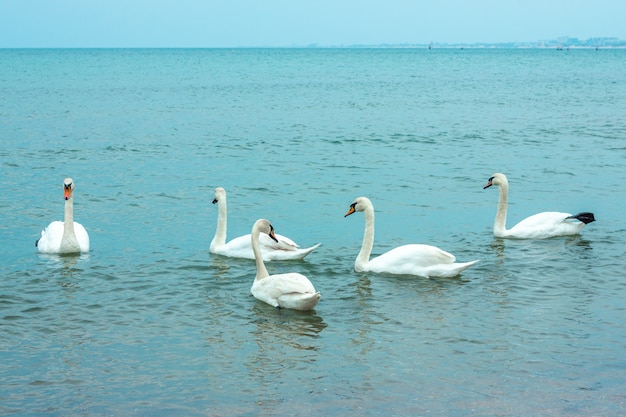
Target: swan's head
{"type": "Point", "coordinates": [264, 226]}
{"type": "Point", "coordinates": [68, 188]}
{"type": "Point", "coordinates": [359, 204]}
{"type": "Point", "coordinates": [220, 194]}
{"type": "Point", "coordinates": [496, 179]}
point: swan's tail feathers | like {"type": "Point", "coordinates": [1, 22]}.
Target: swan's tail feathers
{"type": "Point", "coordinates": [306, 251]}
{"type": "Point", "coordinates": [288, 255]}
{"type": "Point", "coordinates": [449, 270]}
{"type": "Point", "coordinates": [464, 265]}
{"type": "Point", "coordinates": [296, 254]}
{"type": "Point", "coordinates": [585, 217]}
{"type": "Point", "coordinates": [299, 301]}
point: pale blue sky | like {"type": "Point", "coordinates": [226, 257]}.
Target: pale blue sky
{"type": "Point", "coordinates": [240, 23]}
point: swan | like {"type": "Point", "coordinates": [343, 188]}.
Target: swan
{"type": "Point", "coordinates": [415, 259]}
{"type": "Point", "coordinates": [290, 290]}
{"type": "Point", "coordinates": [539, 226]}
{"type": "Point", "coordinates": [67, 236]}
{"type": "Point", "coordinates": [280, 249]}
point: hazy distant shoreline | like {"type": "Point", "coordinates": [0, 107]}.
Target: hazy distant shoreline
{"type": "Point", "coordinates": [562, 42]}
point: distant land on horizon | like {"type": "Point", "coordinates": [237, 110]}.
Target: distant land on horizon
{"type": "Point", "coordinates": [561, 43]}
{"type": "Point", "coordinates": [564, 42]}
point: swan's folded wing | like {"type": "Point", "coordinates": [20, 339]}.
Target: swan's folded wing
{"type": "Point", "coordinates": [542, 220]}
{"type": "Point", "coordinates": [239, 247]}
{"type": "Point", "coordinates": [290, 283]}
{"type": "Point", "coordinates": [415, 254]}
{"type": "Point", "coordinates": [284, 243]}
{"type": "Point", "coordinates": [306, 301]}
{"type": "Point", "coordinates": [82, 237]}
{"type": "Point", "coordinates": [544, 225]}
{"type": "Point", "coordinates": [413, 259]}
{"type": "Point", "coordinates": [51, 236]}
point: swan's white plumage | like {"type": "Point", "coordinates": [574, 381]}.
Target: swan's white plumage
{"type": "Point", "coordinates": [241, 247]}
{"type": "Point", "coordinates": [413, 259]}
{"type": "Point", "coordinates": [67, 236]}
{"type": "Point", "coordinates": [539, 226]}
{"type": "Point", "coordinates": [290, 290]}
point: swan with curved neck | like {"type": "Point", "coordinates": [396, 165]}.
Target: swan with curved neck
{"type": "Point", "coordinates": [240, 247]}
{"type": "Point", "coordinates": [290, 290]}
{"type": "Point", "coordinates": [539, 226]}
{"type": "Point", "coordinates": [67, 236]}
{"type": "Point", "coordinates": [414, 259]}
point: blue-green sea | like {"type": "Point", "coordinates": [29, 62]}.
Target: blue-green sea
{"type": "Point", "coordinates": [149, 323]}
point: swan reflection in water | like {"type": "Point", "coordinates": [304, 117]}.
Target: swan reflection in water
{"type": "Point", "coordinates": [283, 340]}
{"type": "Point", "coordinates": [294, 328]}
{"type": "Point", "coordinates": [284, 345]}
{"type": "Point", "coordinates": [65, 265]}
{"type": "Point", "coordinates": [529, 251]}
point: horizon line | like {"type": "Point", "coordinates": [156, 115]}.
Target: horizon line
{"type": "Point", "coordinates": [562, 41]}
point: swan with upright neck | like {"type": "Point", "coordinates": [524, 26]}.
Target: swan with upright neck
{"type": "Point", "coordinates": [413, 259]}
{"type": "Point", "coordinates": [68, 236]}
{"type": "Point", "coordinates": [280, 249]}
{"type": "Point", "coordinates": [539, 226]}
{"type": "Point", "coordinates": [289, 290]}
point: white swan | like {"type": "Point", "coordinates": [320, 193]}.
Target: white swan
{"type": "Point", "coordinates": [290, 290]}
{"type": "Point", "coordinates": [241, 247]}
{"type": "Point", "coordinates": [539, 226]}
{"type": "Point", "coordinates": [66, 236]}
{"type": "Point", "coordinates": [415, 259]}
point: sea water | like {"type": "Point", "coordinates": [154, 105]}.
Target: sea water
{"type": "Point", "coordinates": [148, 323]}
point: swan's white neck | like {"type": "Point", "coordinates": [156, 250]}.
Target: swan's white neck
{"type": "Point", "coordinates": [69, 243]}
{"type": "Point", "coordinates": [261, 271]}
{"type": "Point", "coordinates": [499, 225]}
{"type": "Point", "coordinates": [220, 232]}
{"type": "Point", "coordinates": [368, 241]}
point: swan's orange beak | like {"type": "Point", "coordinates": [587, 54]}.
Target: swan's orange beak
{"type": "Point", "coordinates": [489, 184]}
{"type": "Point", "coordinates": [67, 191]}
{"type": "Point", "coordinates": [271, 234]}
{"type": "Point", "coordinates": [350, 211]}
